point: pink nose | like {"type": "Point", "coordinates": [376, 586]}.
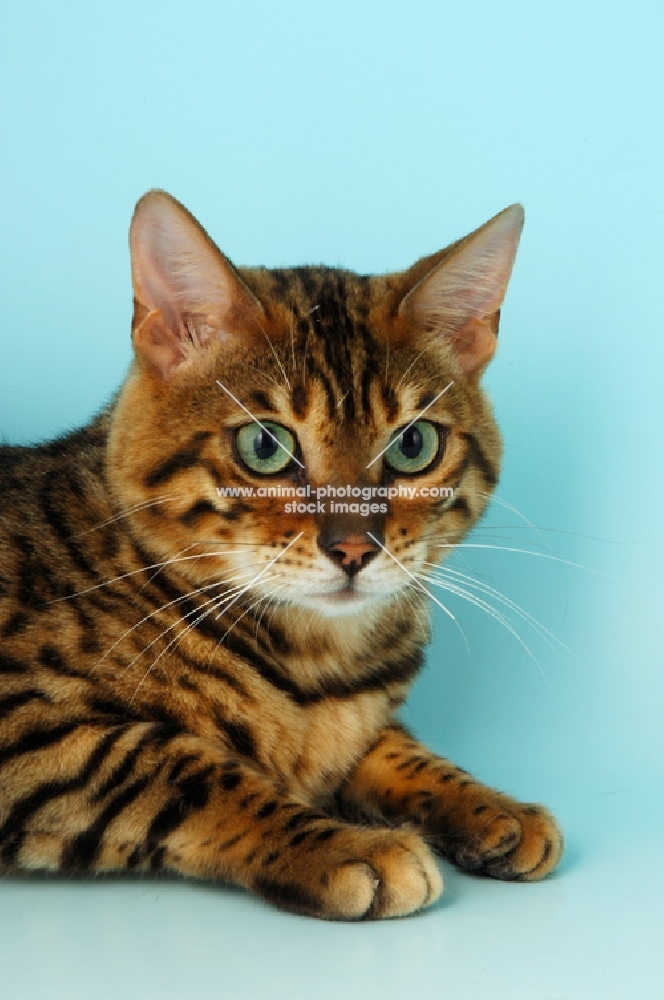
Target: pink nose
{"type": "Point", "coordinates": [352, 549]}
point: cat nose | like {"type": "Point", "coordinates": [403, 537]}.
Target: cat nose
{"type": "Point", "coordinates": [352, 553]}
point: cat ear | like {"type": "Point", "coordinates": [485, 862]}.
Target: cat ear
{"type": "Point", "coordinates": [186, 292]}
{"type": "Point", "coordinates": [460, 298]}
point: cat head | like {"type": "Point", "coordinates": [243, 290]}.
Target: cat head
{"type": "Point", "coordinates": [310, 433]}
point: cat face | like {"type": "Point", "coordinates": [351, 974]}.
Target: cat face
{"type": "Point", "coordinates": [309, 436]}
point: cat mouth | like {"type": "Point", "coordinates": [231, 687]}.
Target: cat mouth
{"type": "Point", "coordinates": [346, 596]}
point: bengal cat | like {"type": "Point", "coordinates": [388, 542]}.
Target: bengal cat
{"type": "Point", "coordinates": [208, 683]}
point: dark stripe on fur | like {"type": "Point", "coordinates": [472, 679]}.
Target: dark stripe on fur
{"type": "Point", "coordinates": [83, 851]}
{"type": "Point", "coordinates": [18, 699]}
{"type": "Point", "coordinates": [184, 458]}
{"type": "Point", "coordinates": [262, 400]}
{"type": "Point", "coordinates": [239, 735]}
{"type": "Point", "coordinates": [10, 665]}
{"type": "Point", "coordinates": [461, 505]}
{"type": "Point", "coordinates": [15, 624]}
{"type": "Point", "coordinates": [123, 769]}
{"type": "Point", "coordinates": [215, 672]}
{"type": "Point", "coordinates": [479, 459]}
{"type": "Point", "coordinates": [51, 658]}
{"type": "Point", "coordinates": [35, 584]}
{"type": "Point", "coordinates": [377, 677]}
{"type": "Point", "coordinates": [53, 501]}
{"type": "Point", "coordinates": [37, 739]}
{"type": "Point", "coordinates": [194, 790]}
{"type": "Point", "coordinates": [28, 806]}
{"type": "Point", "coordinates": [181, 764]}
{"type": "Point", "coordinates": [198, 510]}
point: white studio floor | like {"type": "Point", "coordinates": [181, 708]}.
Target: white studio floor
{"type": "Point", "coordinates": [593, 932]}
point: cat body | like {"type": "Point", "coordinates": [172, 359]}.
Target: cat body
{"type": "Point", "coordinates": [195, 675]}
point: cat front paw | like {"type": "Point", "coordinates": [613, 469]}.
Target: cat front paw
{"type": "Point", "coordinates": [359, 874]}
{"type": "Point", "coordinates": [516, 842]}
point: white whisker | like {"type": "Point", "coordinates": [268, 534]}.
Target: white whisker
{"type": "Point", "coordinates": [292, 341]}
{"type": "Point", "coordinates": [508, 506]}
{"type": "Point", "coordinates": [246, 364]}
{"type": "Point", "coordinates": [143, 569]}
{"type": "Point", "coordinates": [413, 362]}
{"type": "Point", "coordinates": [247, 610]}
{"type": "Point", "coordinates": [259, 575]}
{"type": "Point", "coordinates": [418, 584]}
{"type": "Point", "coordinates": [411, 575]}
{"type": "Point", "coordinates": [453, 588]}
{"type": "Point", "coordinates": [490, 591]}
{"type": "Point", "coordinates": [159, 610]}
{"type": "Point", "coordinates": [525, 552]}
{"type": "Point", "coordinates": [143, 505]}
{"type": "Point", "coordinates": [277, 358]}
{"type": "Point", "coordinates": [215, 601]}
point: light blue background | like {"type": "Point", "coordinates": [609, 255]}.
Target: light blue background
{"type": "Point", "coordinates": [368, 134]}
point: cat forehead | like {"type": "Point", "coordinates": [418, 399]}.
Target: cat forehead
{"type": "Point", "coordinates": [332, 334]}
{"type": "Point", "coordinates": [330, 292]}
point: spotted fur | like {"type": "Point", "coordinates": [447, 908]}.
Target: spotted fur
{"type": "Point", "coordinates": [174, 697]}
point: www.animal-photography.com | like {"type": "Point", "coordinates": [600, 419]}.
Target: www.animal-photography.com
{"type": "Point", "coordinates": [330, 648]}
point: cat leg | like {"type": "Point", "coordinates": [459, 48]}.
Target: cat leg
{"type": "Point", "coordinates": [145, 796]}
{"type": "Point", "coordinates": [476, 827]}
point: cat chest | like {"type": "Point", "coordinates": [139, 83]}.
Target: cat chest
{"type": "Point", "coordinates": [327, 741]}
{"type": "Point", "coordinates": [307, 741]}
{"type": "Point", "coordinates": [312, 748]}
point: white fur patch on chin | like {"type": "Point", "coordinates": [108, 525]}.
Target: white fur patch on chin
{"type": "Point", "coordinates": [339, 603]}
{"type": "Point", "coordinates": [330, 608]}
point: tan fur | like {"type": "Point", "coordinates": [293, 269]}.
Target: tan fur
{"type": "Point", "coordinates": [140, 730]}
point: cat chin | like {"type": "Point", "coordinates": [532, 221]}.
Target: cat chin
{"type": "Point", "coordinates": [339, 603]}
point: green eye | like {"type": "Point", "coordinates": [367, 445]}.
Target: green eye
{"type": "Point", "coordinates": [260, 451]}
{"type": "Point", "coordinates": [414, 448]}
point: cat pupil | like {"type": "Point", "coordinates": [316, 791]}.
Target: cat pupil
{"type": "Point", "coordinates": [264, 445]}
{"type": "Point", "coordinates": [410, 442]}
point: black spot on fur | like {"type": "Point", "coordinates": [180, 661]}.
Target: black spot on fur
{"type": "Point", "coordinates": [262, 400]}
{"type": "Point", "coordinates": [195, 788]}
{"type": "Point", "coordinates": [235, 511]}
{"type": "Point", "coordinates": [15, 624]}
{"type": "Point", "coordinates": [299, 838]}
{"type": "Point", "coordinates": [10, 665]}
{"type": "Point", "coordinates": [230, 780]}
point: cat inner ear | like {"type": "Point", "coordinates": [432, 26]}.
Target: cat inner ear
{"type": "Point", "coordinates": [460, 298]}
{"type": "Point", "coordinates": [186, 293]}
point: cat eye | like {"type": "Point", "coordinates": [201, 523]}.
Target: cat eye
{"type": "Point", "coordinates": [414, 449]}
{"type": "Point", "coordinates": [259, 450]}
